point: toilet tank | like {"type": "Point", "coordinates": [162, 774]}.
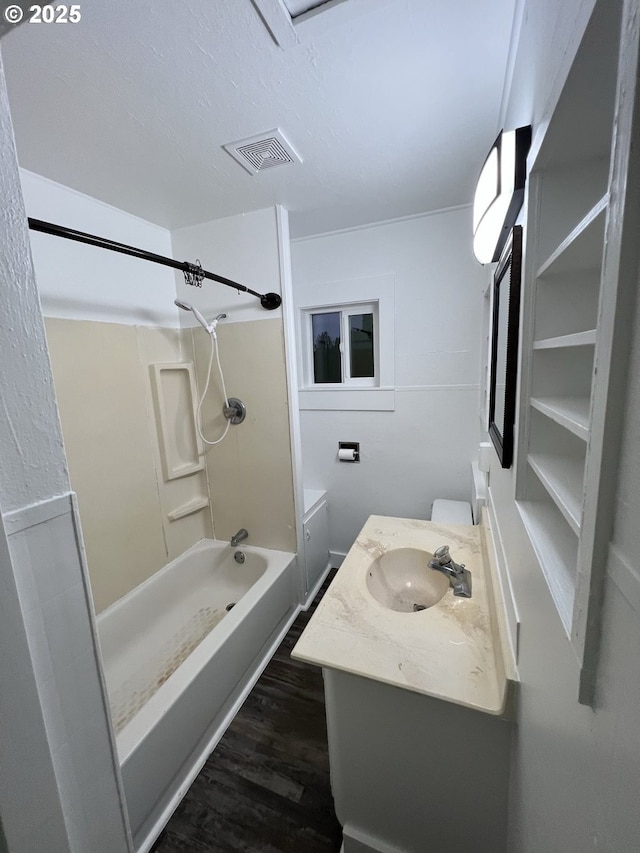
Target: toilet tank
{"type": "Point", "coordinates": [451, 512]}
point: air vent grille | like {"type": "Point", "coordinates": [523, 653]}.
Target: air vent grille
{"type": "Point", "coordinates": [262, 152]}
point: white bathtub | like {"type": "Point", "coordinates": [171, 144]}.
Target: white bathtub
{"type": "Point", "coordinates": [178, 664]}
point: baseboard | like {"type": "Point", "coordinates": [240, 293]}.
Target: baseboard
{"type": "Point", "coordinates": [316, 587]}
{"type": "Point", "coordinates": [336, 558]}
{"type": "Point", "coordinates": [357, 841]}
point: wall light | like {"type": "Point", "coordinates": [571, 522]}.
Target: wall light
{"type": "Point", "coordinates": [499, 193]}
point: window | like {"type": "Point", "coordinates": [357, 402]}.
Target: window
{"type": "Point", "coordinates": [344, 344]}
{"type": "Point", "coordinates": [346, 354]}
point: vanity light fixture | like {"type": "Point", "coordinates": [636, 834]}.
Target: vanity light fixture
{"type": "Point", "coordinates": [499, 193]}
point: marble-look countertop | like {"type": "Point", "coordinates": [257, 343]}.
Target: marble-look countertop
{"type": "Point", "coordinates": [450, 651]}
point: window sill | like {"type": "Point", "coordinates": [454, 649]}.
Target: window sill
{"type": "Point", "coordinates": [348, 399]}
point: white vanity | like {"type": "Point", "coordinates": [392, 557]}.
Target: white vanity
{"type": "Point", "coordinates": [417, 693]}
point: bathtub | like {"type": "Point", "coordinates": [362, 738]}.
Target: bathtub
{"type": "Point", "coordinates": [180, 654]}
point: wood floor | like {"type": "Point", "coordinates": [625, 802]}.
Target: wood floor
{"type": "Point", "coordinates": [265, 788]}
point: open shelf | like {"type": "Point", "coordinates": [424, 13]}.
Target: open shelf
{"type": "Point", "coordinates": [572, 413]}
{"type": "Point", "coordinates": [566, 304]}
{"type": "Point", "coordinates": [563, 479]}
{"type": "Point", "coordinates": [188, 508]}
{"type": "Point", "coordinates": [561, 381]}
{"type": "Point", "coordinates": [556, 547]}
{"type": "Point", "coordinates": [576, 339]}
{"type": "Point", "coordinates": [577, 188]}
{"type": "Point", "coordinates": [582, 248]}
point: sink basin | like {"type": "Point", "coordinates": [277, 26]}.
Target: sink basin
{"type": "Point", "coordinates": [401, 580]}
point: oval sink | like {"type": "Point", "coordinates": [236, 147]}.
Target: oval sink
{"type": "Point", "coordinates": [402, 580]}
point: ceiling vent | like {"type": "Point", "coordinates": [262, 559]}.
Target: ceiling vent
{"type": "Point", "coordinates": [262, 152]}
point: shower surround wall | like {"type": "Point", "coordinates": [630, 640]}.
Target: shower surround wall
{"type": "Point", "coordinates": [112, 445]}
{"type": "Point", "coordinates": [108, 320]}
{"type": "Point", "coordinates": [251, 471]}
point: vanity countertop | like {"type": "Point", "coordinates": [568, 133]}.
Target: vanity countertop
{"type": "Point", "coordinates": [450, 651]}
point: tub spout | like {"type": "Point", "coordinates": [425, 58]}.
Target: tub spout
{"type": "Point", "coordinates": [237, 538]}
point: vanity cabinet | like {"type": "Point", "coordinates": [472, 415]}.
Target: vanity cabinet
{"type": "Point", "coordinates": [418, 700]}
{"type": "Point", "coordinates": [414, 774]}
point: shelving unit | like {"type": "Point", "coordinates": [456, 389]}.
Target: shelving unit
{"type": "Point", "coordinates": [572, 413]}
{"type": "Point", "coordinates": [581, 250]}
{"type": "Point", "coordinates": [577, 183]}
{"type": "Point", "coordinates": [563, 479]}
{"type": "Point", "coordinates": [570, 195]}
{"type": "Point", "coordinates": [554, 547]}
{"type": "Point", "coordinates": [574, 339]}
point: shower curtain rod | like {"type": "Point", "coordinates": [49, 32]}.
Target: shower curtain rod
{"type": "Point", "coordinates": [269, 301]}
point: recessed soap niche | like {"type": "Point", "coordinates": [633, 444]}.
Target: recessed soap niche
{"type": "Point", "coordinates": [174, 396]}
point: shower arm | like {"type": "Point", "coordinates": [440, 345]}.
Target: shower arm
{"type": "Point", "coordinates": [269, 301]}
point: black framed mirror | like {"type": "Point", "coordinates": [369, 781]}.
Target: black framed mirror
{"type": "Point", "coordinates": [503, 374]}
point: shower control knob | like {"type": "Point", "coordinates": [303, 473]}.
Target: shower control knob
{"type": "Point", "coordinates": [235, 411]}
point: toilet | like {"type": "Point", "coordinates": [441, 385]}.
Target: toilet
{"type": "Point", "coordinates": [451, 512]}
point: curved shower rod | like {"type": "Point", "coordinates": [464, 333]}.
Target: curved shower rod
{"type": "Point", "coordinates": [269, 301]}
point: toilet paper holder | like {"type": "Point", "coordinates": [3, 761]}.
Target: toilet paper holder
{"type": "Point", "coordinates": [349, 451]}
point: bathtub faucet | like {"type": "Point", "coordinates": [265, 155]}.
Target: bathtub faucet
{"type": "Point", "coordinates": [237, 538]}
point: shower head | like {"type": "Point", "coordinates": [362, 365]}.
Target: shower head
{"type": "Point", "coordinates": [187, 306]}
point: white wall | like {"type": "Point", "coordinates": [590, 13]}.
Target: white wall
{"type": "Point", "coordinates": [576, 770]}
{"type": "Point", "coordinates": [81, 282]}
{"type": "Point", "coordinates": [242, 248]}
{"type": "Point", "coordinates": [59, 785]}
{"type": "Point", "coordinates": [548, 39]}
{"type": "Point", "coordinates": [422, 450]}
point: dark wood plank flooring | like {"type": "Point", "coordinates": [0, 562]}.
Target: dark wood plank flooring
{"type": "Point", "coordinates": [265, 788]}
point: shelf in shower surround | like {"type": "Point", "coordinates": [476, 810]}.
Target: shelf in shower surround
{"type": "Point", "coordinates": [189, 508]}
{"type": "Point", "coordinates": [174, 397]}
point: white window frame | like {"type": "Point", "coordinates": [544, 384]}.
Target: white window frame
{"type": "Point", "coordinates": [345, 312]}
{"type": "Point", "coordinates": [356, 296]}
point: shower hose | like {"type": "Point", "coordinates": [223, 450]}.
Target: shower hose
{"type": "Point", "coordinates": [214, 349]}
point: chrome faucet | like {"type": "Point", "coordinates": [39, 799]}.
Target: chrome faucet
{"type": "Point", "coordinates": [459, 577]}
{"type": "Point", "coordinates": [237, 538]}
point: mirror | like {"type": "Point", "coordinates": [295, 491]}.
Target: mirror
{"type": "Point", "coordinates": [504, 347]}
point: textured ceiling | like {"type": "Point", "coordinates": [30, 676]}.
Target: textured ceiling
{"type": "Point", "coordinates": [392, 108]}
